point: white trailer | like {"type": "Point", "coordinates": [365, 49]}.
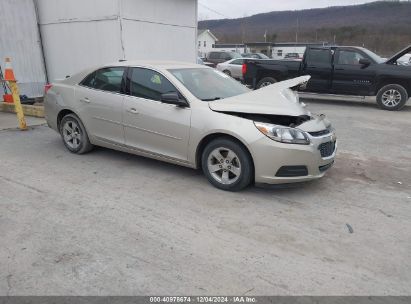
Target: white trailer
{"type": "Point", "coordinates": [280, 52]}
{"type": "Point", "coordinates": [20, 40]}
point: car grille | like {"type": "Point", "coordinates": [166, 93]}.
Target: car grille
{"type": "Point", "coordinates": [327, 149]}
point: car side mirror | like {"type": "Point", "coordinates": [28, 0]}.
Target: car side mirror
{"type": "Point", "coordinates": [364, 62]}
{"type": "Point", "coordinates": [173, 98]}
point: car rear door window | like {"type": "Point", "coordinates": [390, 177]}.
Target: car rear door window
{"type": "Point", "coordinates": [319, 56]}
{"type": "Point", "coordinates": [106, 79]}
{"type": "Point", "coordinates": [149, 84]}
{"type": "Point", "coordinates": [89, 80]}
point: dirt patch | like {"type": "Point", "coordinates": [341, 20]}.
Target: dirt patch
{"type": "Point", "coordinates": [378, 171]}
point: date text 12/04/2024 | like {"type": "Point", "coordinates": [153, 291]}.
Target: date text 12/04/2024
{"type": "Point", "coordinates": [204, 299]}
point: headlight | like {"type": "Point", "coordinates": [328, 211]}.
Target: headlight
{"type": "Point", "coordinates": [283, 134]}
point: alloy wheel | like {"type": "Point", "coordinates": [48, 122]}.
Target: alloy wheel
{"type": "Point", "coordinates": [72, 134]}
{"type": "Point", "coordinates": [391, 98]}
{"type": "Point", "coordinates": [224, 166]}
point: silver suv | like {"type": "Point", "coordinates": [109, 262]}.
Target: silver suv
{"type": "Point", "coordinates": [221, 56]}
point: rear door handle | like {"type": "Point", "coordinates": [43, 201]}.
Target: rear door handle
{"type": "Point", "coordinates": [133, 111]}
{"type": "Point", "coordinates": [85, 99]}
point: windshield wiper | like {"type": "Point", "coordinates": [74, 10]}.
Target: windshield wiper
{"type": "Point", "coordinates": [211, 99]}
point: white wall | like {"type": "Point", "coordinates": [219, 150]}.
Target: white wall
{"type": "Point", "coordinates": [159, 29]}
{"type": "Point", "coordinates": [78, 34]}
{"type": "Point", "coordinates": [19, 39]}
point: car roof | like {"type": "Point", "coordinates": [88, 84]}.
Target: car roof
{"type": "Point", "coordinates": [156, 64]}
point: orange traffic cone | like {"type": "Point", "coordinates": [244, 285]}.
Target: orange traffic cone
{"type": "Point", "coordinates": [14, 88]}
{"type": "Point", "coordinates": [8, 71]}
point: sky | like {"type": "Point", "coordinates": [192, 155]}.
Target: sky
{"type": "Point", "coordinates": [220, 9]}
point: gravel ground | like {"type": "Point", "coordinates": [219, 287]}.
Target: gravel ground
{"type": "Point", "coordinates": [109, 223]}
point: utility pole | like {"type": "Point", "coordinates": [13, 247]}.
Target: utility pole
{"type": "Point", "coordinates": [298, 27]}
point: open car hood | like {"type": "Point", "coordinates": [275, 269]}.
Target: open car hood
{"type": "Point", "coordinates": [275, 99]}
{"type": "Point", "coordinates": [399, 55]}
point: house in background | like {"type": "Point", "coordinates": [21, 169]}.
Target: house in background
{"type": "Point", "coordinates": [205, 42]}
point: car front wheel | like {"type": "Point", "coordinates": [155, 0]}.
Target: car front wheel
{"type": "Point", "coordinates": [227, 165]}
{"type": "Point", "coordinates": [392, 97]}
{"type": "Point", "coordinates": [74, 135]}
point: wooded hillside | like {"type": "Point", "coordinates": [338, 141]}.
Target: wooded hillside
{"type": "Point", "coordinates": [383, 26]}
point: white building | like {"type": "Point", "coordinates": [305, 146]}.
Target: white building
{"type": "Point", "coordinates": [78, 34]}
{"type": "Point", "coordinates": [280, 50]}
{"type": "Point", "coordinates": [205, 42]}
{"type": "Point", "coordinates": [20, 40]}
{"type": "Point", "coordinates": [226, 47]}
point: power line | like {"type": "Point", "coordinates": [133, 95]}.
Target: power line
{"type": "Point", "coordinates": [212, 10]}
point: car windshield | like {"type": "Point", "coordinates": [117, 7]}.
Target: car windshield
{"type": "Point", "coordinates": [373, 56]}
{"type": "Point", "coordinates": [209, 84]}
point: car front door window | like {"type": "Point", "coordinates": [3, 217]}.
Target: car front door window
{"type": "Point", "coordinates": [149, 84]}
{"type": "Point", "coordinates": [349, 57]}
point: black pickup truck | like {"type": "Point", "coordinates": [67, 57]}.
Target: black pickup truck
{"type": "Point", "coordinates": [339, 70]}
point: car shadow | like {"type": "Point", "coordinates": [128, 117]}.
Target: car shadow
{"type": "Point", "coordinates": [158, 168]}
{"type": "Point", "coordinates": [164, 170]}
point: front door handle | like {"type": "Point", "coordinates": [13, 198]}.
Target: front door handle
{"type": "Point", "coordinates": [133, 111]}
{"type": "Point", "coordinates": [85, 99]}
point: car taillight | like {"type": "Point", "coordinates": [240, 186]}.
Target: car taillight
{"type": "Point", "coordinates": [244, 68]}
{"type": "Point", "coordinates": [47, 87]}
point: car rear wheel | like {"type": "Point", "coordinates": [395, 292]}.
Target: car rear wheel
{"type": "Point", "coordinates": [266, 81]}
{"type": "Point", "coordinates": [74, 135]}
{"type": "Point", "coordinates": [392, 97]}
{"type": "Point", "coordinates": [227, 72]}
{"type": "Point", "coordinates": [227, 165]}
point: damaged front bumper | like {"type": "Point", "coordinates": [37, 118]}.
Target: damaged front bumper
{"type": "Point", "coordinates": [278, 163]}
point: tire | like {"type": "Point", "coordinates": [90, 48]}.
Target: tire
{"type": "Point", "coordinates": [265, 82]}
{"type": "Point", "coordinates": [232, 163]}
{"type": "Point", "coordinates": [392, 97]}
{"type": "Point", "coordinates": [79, 143]}
{"type": "Point", "coordinates": [227, 72]}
